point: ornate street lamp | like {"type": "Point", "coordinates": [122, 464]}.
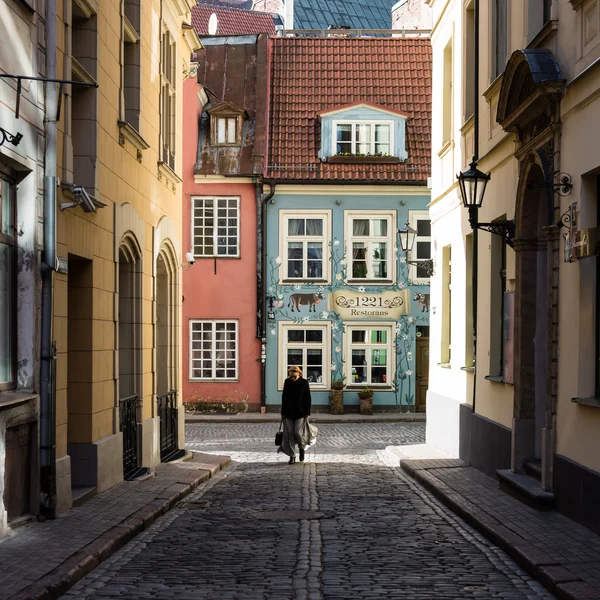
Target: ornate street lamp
{"type": "Point", "coordinates": [472, 184]}
{"type": "Point", "coordinates": [407, 241]}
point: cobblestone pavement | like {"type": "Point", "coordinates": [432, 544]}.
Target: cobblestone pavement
{"type": "Point", "coordinates": [346, 524]}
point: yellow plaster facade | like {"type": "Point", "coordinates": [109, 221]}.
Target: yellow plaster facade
{"type": "Point", "coordinates": [120, 146]}
{"type": "Point", "coordinates": [548, 407]}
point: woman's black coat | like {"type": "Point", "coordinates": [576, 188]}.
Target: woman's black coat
{"type": "Point", "coordinates": [296, 400]}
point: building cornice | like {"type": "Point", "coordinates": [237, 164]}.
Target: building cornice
{"type": "Point", "coordinates": [351, 190]}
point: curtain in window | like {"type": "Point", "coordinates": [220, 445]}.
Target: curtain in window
{"type": "Point", "coordinates": [296, 227]}
{"type": "Point", "coordinates": [360, 227]}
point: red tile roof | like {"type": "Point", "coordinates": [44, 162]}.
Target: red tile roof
{"type": "Point", "coordinates": [232, 21]}
{"type": "Point", "coordinates": [315, 74]}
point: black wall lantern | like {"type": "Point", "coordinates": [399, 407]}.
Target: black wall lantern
{"type": "Point", "coordinates": [271, 312]}
{"type": "Point", "coordinates": [407, 241]}
{"type": "Point", "coordinates": [473, 183]}
{"type": "Point", "coordinates": [13, 139]}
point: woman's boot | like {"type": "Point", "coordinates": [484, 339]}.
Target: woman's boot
{"type": "Point", "coordinates": [301, 454]}
{"type": "Point", "coordinates": [292, 460]}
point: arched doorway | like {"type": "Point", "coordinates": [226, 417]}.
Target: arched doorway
{"type": "Point", "coordinates": [130, 350]}
{"type": "Point", "coordinates": [167, 350]}
{"type": "Point", "coordinates": [532, 336]}
{"type": "Point", "coordinates": [528, 106]}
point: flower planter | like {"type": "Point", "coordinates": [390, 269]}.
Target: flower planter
{"type": "Point", "coordinates": [366, 404]}
{"type": "Point", "coordinates": [363, 160]}
{"type": "Point", "coordinates": [336, 402]}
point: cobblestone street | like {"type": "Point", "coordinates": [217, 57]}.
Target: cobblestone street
{"type": "Point", "coordinates": [343, 525]}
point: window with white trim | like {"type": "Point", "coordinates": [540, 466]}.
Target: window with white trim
{"type": "Point", "coordinates": [370, 236]}
{"type": "Point", "coordinates": [369, 354]}
{"type": "Point", "coordinates": [363, 137]}
{"type": "Point", "coordinates": [421, 250]}
{"type": "Point", "coordinates": [213, 350]}
{"type": "Point", "coordinates": [307, 347]}
{"type": "Point", "coordinates": [227, 130]}
{"type": "Point", "coordinates": [216, 226]}
{"type": "Point", "coordinates": [305, 245]}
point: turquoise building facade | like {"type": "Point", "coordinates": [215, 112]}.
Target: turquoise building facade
{"type": "Point", "coordinates": [333, 322]}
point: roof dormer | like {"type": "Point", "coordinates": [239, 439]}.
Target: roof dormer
{"type": "Point", "coordinates": [226, 124]}
{"type": "Point", "coordinates": [363, 132]}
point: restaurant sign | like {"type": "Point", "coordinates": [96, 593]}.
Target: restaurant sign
{"type": "Point", "coordinates": [385, 305]}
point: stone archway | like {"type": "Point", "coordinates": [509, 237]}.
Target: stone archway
{"type": "Point", "coordinates": [529, 106]}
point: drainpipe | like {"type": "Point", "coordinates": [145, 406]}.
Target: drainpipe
{"type": "Point", "coordinates": [47, 382]}
{"type": "Point", "coordinates": [475, 159]}
{"type": "Point", "coordinates": [262, 300]}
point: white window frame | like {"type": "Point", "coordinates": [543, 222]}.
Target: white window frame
{"type": "Point", "coordinates": [413, 217]}
{"type": "Point", "coordinates": [349, 216]}
{"type": "Point", "coordinates": [213, 322]}
{"type": "Point", "coordinates": [283, 328]}
{"type": "Point", "coordinates": [390, 326]}
{"type": "Point", "coordinates": [284, 217]}
{"type": "Point", "coordinates": [193, 226]}
{"type": "Point", "coordinates": [354, 123]}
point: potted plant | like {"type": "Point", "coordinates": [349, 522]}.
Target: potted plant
{"type": "Point", "coordinates": [336, 397]}
{"type": "Point", "coordinates": [366, 401]}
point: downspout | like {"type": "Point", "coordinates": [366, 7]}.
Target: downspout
{"type": "Point", "coordinates": [47, 381]}
{"type": "Point", "coordinates": [262, 232]}
{"type": "Point", "coordinates": [475, 159]}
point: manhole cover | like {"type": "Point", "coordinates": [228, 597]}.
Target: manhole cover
{"type": "Point", "coordinates": [197, 505]}
{"type": "Point", "coordinates": [476, 588]}
{"type": "Point", "coordinates": [285, 515]}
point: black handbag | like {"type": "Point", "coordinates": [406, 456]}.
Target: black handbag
{"type": "Point", "coordinates": [279, 435]}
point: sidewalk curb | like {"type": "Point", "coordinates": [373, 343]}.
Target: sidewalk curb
{"type": "Point", "coordinates": [59, 581]}
{"type": "Point", "coordinates": [190, 418]}
{"type": "Point", "coordinates": [555, 578]}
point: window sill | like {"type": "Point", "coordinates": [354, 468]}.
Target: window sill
{"type": "Point", "coordinates": [9, 399]}
{"type": "Point", "coordinates": [370, 281]}
{"type": "Point", "coordinates": [164, 170]}
{"type": "Point", "coordinates": [213, 380]}
{"type": "Point", "coordinates": [444, 365]}
{"type": "Point", "coordinates": [593, 402]}
{"type": "Point", "coordinates": [375, 387]}
{"type": "Point", "coordinates": [495, 378]}
{"type": "Point", "coordinates": [445, 148]}
{"type": "Point", "coordinates": [362, 160]}
{"type": "Point", "coordinates": [129, 133]}
{"type": "Point", "coordinates": [304, 281]}
{"type": "Point", "coordinates": [468, 369]}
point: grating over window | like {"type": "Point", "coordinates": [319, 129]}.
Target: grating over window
{"type": "Point", "coordinates": [216, 223]}
{"type": "Point", "coordinates": [213, 350]}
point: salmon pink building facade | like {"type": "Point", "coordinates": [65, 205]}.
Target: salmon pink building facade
{"type": "Point", "coordinates": [224, 136]}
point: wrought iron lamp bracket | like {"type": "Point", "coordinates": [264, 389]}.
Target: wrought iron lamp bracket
{"type": "Point", "coordinates": [11, 138]}
{"type": "Point", "coordinates": [565, 218]}
{"type": "Point", "coordinates": [505, 229]}
{"type": "Point", "coordinates": [426, 265]}
{"type": "Point", "coordinates": [563, 188]}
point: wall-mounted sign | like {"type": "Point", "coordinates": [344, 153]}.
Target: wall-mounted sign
{"type": "Point", "coordinates": [385, 305]}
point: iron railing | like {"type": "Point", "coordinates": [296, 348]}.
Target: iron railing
{"type": "Point", "coordinates": [169, 424]}
{"type": "Point", "coordinates": [129, 428]}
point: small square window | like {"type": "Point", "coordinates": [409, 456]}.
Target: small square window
{"type": "Point", "coordinates": [226, 131]}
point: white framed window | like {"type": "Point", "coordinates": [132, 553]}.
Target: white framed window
{"type": "Point", "coordinates": [369, 354]}
{"type": "Point", "coordinates": [421, 250]}
{"type": "Point", "coordinates": [216, 226]}
{"type": "Point", "coordinates": [370, 237]}
{"type": "Point", "coordinates": [304, 247]}
{"type": "Point", "coordinates": [213, 350]}
{"type": "Point", "coordinates": [307, 346]}
{"type": "Point", "coordinates": [363, 137]}
{"type": "Point", "coordinates": [168, 97]}
{"type": "Point", "coordinates": [227, 130]}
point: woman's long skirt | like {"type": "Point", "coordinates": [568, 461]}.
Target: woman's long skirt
{"type": "Point", "coordinates": [298, 431]}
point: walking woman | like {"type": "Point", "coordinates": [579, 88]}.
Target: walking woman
{"type": "Point", "coordinates": [295, 411]}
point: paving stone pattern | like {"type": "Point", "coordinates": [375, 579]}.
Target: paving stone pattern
{"type": "Point", "coordinates": [347, 524]}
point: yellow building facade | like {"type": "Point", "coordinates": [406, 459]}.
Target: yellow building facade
{"type": "Point", "coordinates": [535, 410]}
{"type": "Point", "coordinates": [116, 296]}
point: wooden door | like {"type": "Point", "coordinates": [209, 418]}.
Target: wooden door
{"type": "Point", "coordinates": [422, 373]}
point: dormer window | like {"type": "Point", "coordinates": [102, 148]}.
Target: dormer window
{"type": "Point", "coordinates": [226, 124]}
{"type": "Point", "coordinates": [363, 132]}
{"type": "Point", "coordinates": [360, 137]}
{"type": "Point", "coordinates": [227, 130]}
